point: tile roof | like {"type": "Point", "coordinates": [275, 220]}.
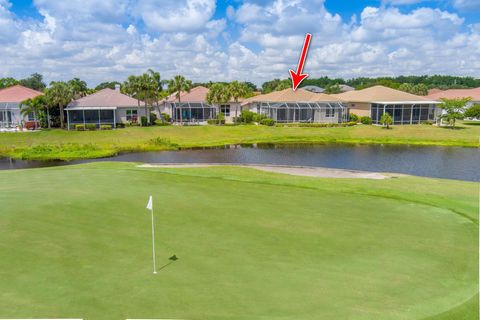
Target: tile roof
{"type": "Point", "coordinates": [379, 93]}
{"type": "Point", "coordinates": [17, 94]}
{"type": "Point", "coordinates": [197, 94]}
{"type": "Point", "coordinates": [105, 98]}
{"type": "Point", "coordinates": [436, 94]}
{"type": "Point", "coordinates": [288, 95]}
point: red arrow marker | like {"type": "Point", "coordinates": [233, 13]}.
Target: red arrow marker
{"type": "Point", "coordinates": [298, 77]}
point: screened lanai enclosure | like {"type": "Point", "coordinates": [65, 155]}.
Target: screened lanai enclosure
{"type": "Point", "coordinates": [320, 112]}
{"type": "Point", "coordinates": [91, 116]}
{"type": "Point", "coordinates": [404, 113]}
{"type": "Point", "coordinates": [5, 118]}
{"type": "Point", "coordinates": [192, 112]}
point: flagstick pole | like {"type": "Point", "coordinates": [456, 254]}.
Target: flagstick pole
{"type": "Point", "coordinates": [153, 245]}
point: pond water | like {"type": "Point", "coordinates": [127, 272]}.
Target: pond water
{"type": "Point", "coordinates": [440, 162]}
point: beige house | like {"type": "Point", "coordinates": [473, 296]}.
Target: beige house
{"type": "Point", "coordinates": [405, 108]}
{"type": "Point", "coordinates": [192, 107]}
{"type": "Point", "coordinates": [298, 106]}
{"type": "Point", "coordinates": [105, 107]}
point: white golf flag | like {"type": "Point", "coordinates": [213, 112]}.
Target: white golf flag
{"type": "Point", "coordinates": [150, 203]}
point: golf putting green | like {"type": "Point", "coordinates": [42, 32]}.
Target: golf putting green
{"type": "Point", "coordinates": [75, 242]}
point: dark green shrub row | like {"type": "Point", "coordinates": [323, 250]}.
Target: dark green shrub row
{"type": "Point", "coordinates": [91, 127]}
{"type": "Point", "coordinates": [267, 122]}
{"type": "Point", "coordinates": [161, 123]}
{"type": "Point", "coordinates": [216, 121]}
{"type": "Point", "coordinates": [317, 125]}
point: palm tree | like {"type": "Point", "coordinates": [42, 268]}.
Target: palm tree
{"type": "Point", "coordinates": [59, 94]}
{"type": "Point", "coordinates": [178, 85]}
{"type": "Point", "coordinates": [157, 88]}
{"type": "Point", "coordinates": [132, 88]}
{"type": "Point", "coordinates": [238, 90]}
{"type": "Point", "coordinates": [79, 88]}
{"type": "Point", "coordinates": [35, 106]}
{"type": "Point", "coordinates": [386, 120]}
{"type": "Point", "coordinates": [218, 94]}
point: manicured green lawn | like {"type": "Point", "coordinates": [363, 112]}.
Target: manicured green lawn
{"type": "Point", "coordinates": [75, 242]}
{"type": "Point", "coordinates": [60, 144]}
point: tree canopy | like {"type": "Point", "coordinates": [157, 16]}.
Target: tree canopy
{"type": "Point", "coordinates": [35, 82]}
{"type": "Point", "coordinates": [454, 109]}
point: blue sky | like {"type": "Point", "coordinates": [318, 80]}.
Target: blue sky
{"type": "Point", "coordinates": [254, 40]}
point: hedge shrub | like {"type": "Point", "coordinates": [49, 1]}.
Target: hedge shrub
{"type": "Point", "coordinates": [267, 122]}
{"type": "Point", "coordinates": [91, 126]}
{"type": "Point", "coordinates": [354, 117]}
{"type": "Point", "coordinates": [105, 127]}
{"type": "Point", "coordinates": [166, 116]}
{"type": "Point", "coordinates": [318, 125]}
{"type": "Point", "coordinates": [216, 122]}
{"type": "Point", "coordinates": [144, 121]}
{"type": "Point", "coordinates": [366, 120]}
{"type": "Point", "coordinates": [246, 116]}
{"type": "Point", "coordinates": [79, 127]}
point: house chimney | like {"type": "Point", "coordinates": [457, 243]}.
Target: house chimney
{"type": "Point", "coordinates": [117, 87]}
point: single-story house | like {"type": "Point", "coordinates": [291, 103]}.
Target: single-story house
{"type": "Point", "coordinates": [11, 99]}
{"type": "Point", "coordinates": [193, 107]}
{"type": "Point", "coordinates": [105, 107]}
{"type": "Point", "coordinates": [298, 106]}
{"type": "Point", "coordinates": [474, 94]}
{"type": "Point", "coordinates": [405, 108]}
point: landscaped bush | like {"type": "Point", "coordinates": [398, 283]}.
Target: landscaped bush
{"type": "Point", "coordinates": [427, 122]}
{"type": "Point", "coordinates": [144, 121]}
{"type": "Point", "coordinates": [91, 126]}
{"type": "Point", "coordinates": [366, 120]}
{"type": "Point", "coordinates": [166, 116]}
{"type": "Point", "coordinates": [267, 122]}
{"type": "Point", "coordinates": [216, 122]}
{"type": "Point", "coordinates": [318, 125]}
{"type": "Point", "coordinates": [105, 127]}
{"type": "Point", "coordinates": [121, 125]}
{"type": "Point", "coordinates": [161, 123]}
{"type": "Point", "coordinates": [259, 117]}
{"type": "Point", "coordinates": [354, 117]}
{"type": "Point", "coordinates": [80, 127]}
{"type": "Point", "coordinates": [153, 118]}
{"type": "Point", "coordinates": [246, 116]}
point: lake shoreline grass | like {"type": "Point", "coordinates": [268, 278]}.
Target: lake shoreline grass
{"type": "Point", "coordinates": [71, 145]}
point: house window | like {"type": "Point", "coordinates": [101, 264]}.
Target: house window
{"type": "Point", "coordinates": [330, 113]}
{"type": "Point", "coordinates": [225, 109]}
{"type": "Point", "coordinates": [132, 115]}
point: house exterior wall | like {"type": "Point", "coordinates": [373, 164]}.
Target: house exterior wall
{"type": "Point", "coordinates": [360, 109]}
{"type": "Point", "coordinates": [235, 110]}
{"type": "Point", "coordinates": [121, 114]}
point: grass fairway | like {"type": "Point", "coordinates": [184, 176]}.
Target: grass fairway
{"type": "Point", "coordinates": [66, 145]}
{"type": "Point", "coordinates": [75, 242]}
